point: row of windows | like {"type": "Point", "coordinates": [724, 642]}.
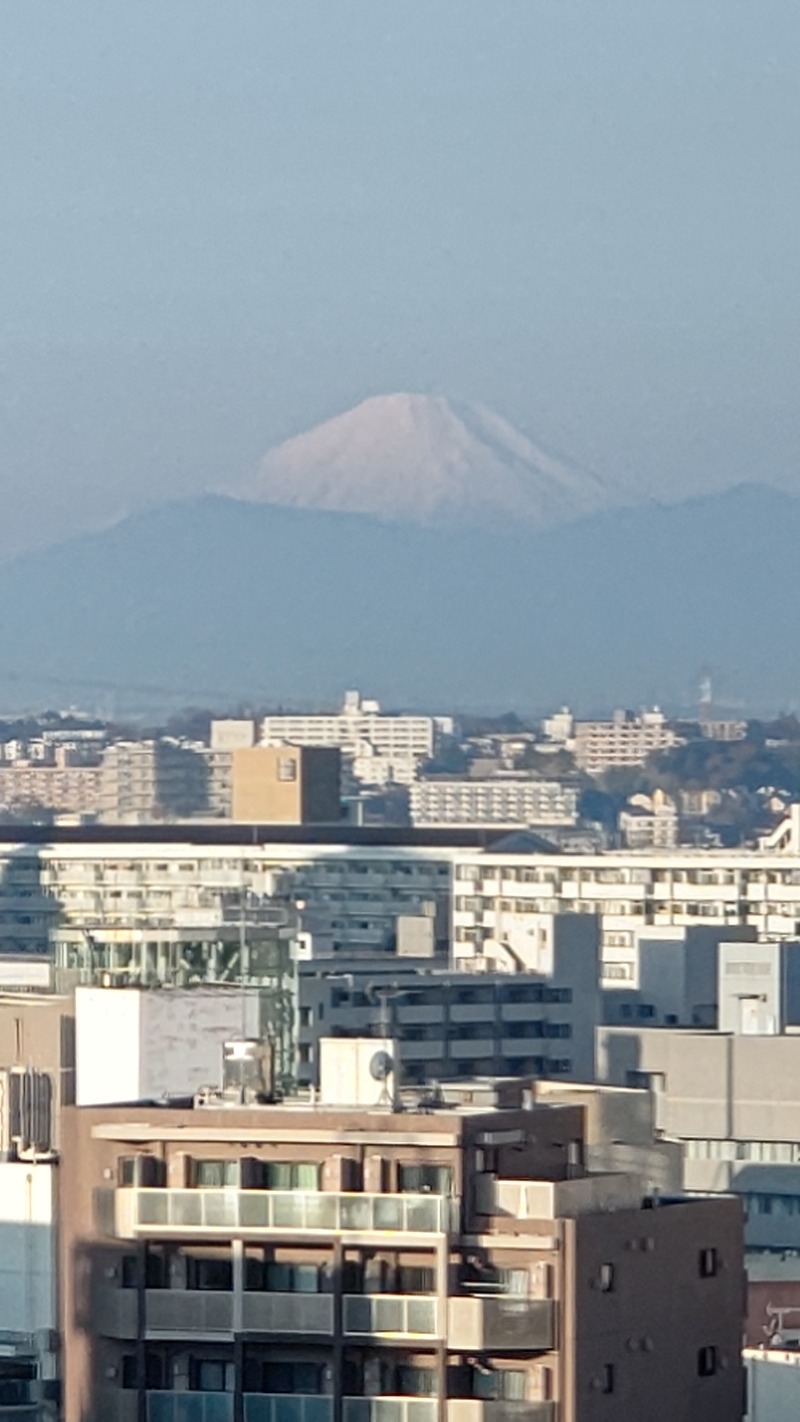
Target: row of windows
{"type": "Point", "coordinates": [250, 1173]}
{"type": "Point", "coordinates": [762, 1152]}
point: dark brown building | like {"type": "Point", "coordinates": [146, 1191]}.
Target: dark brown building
{"type": "Point", "coordinates": [295, 1263]}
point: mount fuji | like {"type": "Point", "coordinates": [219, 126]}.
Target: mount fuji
{"type": "Point", "coordinates": [426, 460]}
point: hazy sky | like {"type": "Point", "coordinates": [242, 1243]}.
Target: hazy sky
{"type": "Point", "coordinates": [225, 221]}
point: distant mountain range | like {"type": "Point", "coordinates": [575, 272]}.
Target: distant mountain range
{"type": "Point", "coordinates": [226, 597]}
{"type": "Point", "coordinates": [426, 460]}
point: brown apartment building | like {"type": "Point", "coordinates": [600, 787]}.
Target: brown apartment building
{"type": "Point", "coordinates": [301, 1263]}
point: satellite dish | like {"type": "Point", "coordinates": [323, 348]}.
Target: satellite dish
{"type": "Point", "coordinates": [381, 1066]}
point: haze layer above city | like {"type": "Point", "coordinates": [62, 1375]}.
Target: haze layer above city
{"type": "Point", "coordinates": [447, 266]}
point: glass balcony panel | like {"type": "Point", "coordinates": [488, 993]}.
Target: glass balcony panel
{"type": "Point", "coordinates": [254, 1209]}
{"type": "Point", "coordinates": [287, 1409]}
{"type": "Point", "coordinates": [388, 1212]}
{"type": "Point", "coordinates": [220, 1208]}
{"type": "Point", "coordinates": [159, 1407]}
{"type": "Point", "coordinates": [320, 1211]}
{"type": "Point", "coordinates": [421, 1316]}
{"type": "Point", "coordinates": [317, 1409]}
{"type": "Point", "coordinates": [356, 1213]}
{"type": "Point", "coordinates": [287, 1210]}
{"type": "Point", "coordinates": [357, 1314]}
{"type": "Point", "coordinates": [186, 1207]}
{"type": "Point", "coordinates": [423, 1215]}
{"type": "Point", "coordinates": [388, 1315]}
{"type": "Point", "coordinates": [422, 1409]}
{"type": "Point", "coordinates": [153, 1207]}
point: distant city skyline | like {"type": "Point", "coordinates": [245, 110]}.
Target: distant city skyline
{"type": "Point", "coordinates": [225, 224]}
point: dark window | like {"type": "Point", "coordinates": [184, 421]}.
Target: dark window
{"type": "Point", "coordinates": [425, 1179]}
{"type": "Point", "coordinates": [292, 1377]}
{"type": "Point", "coordinates": [607, 1378]}
{"type": "Point", "coordinates": [411, 1279]}
{"type": "Point", "coordinates": [291, 1175]}
{"type": "Point", "coordinates": [216, 1174]}
{"type": "Point", "coordinates": [708, 1263]}
{"type": "Point", "coordinates": [129, 1271]}
{"type": "Point", "coordinates": [499, 1384]}
{"type": "Point", "coordinates": [141, 1170]}
{"type": "Point", "coordinates": [211, 1274]}
{"type": "Point", "coordinates": [707, 1361]}
{"type": "Point", "coordinates": [415, 1381]}
{"type": "Point", "coordinates": [129, 1375]}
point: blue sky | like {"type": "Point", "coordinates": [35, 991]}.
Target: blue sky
{"type": "Point", "coordinates": [224, 222]}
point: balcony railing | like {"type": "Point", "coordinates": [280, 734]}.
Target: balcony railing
{"type": "Point", "coordinates": [391, 1315]}
{"type": "Point", "coordinates": [389, 1409]}
{"type": "Point", "coordinates": [502, 1323]}
{"type": "Point", "coordinates": [189, 1407]}
{"type": "Point", "coordinates": [152, 1212]}
{"type": "Point", "coordinates": [285, 1407]}
{"type": "Point", "coordinates": [472, 1409]}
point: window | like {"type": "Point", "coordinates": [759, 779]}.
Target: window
{"type": "Point", "coordinates": [412, 1279]}
{"type": "Point", "coordinates": [301, 1378]}
{"type": "Point", "coordinates": [211, 1274]}
{"type": "Point", "coordinates": [425, 1179]}
{"type": "Point", "coordinates": [605, 1278]}
{"type": "Point", "coordinates": [291, 1175]}
{"type": "Point", "coordinates": [415, 1382]}
{"type": "Point", "coordinates": [607, 1377]}
{"type": "Point", "coordinates": [292, 1278]}
{"type": "Point", "coordinates": [501, 1384]}
{"type": "Point", "coordinates": [216, 1174]}
{"type": "Point", "coordinates": [287, 768]}
{"type": "Point", "coordinates": [140, 1170]}
{"type": "Point", "coordinates": [708, 1263]}
{"type": "Point", "coordinates": [207, 1376]}
{"type": "Point", "coordinates": [707, 1361]}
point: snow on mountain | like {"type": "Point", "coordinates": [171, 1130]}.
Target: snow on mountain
{"type": "Point", "coordinates": [424, 459]}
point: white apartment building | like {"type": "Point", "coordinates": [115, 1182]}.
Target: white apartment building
{"type": "Point", "coordinates": [142, 890]}
{"type": "Point", "coordinates": [500, 800]}
{"type": "Point", "coordinates": [624, 740]}
{"type": "Point", "coordinates": [382, 748]}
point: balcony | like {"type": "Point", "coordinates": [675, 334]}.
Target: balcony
{"type": "Point", "coordinates": [472, 1409]}
{"type": "Point", "coordinates": [390, 1316]}
{"type": "Point", "coordinates": [190, 1407]}
{"type": "Point", "coordinates": [304, 1314]}
{"type": "Point", "coordinates": [556, 1199]}
{"type": "Point", "coordinates": [389, 1409]}
{"type": "Point", "coordinates": [153, 1213]}
{"type": "Point", "coordinates": [507, 1323]}
{"type": "Point", "coordinates": [173, 1312]}
{"type": "Point", "coordinates": [285, 1407]}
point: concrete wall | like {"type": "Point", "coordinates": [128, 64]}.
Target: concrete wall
{"type": "Point", "coordinates": [773, 1385]}
{"type": "Point", "coordinates": [139, 1045]}
{"type": "Point", "coordinates": [27, 1246]}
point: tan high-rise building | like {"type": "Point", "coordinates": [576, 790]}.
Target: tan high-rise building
{"type": "Point", "coordinates": [323, 1263]}
{"type": "Point", "coordinates": [286, 785]}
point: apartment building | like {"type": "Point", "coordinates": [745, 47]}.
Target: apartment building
{"type": "Point", "coordinates": [61, 787]}
{"type": "Point", "coordinates": [624, 740]}
{"type": "Point", "coordinates": [500, 800]}
{"type": "Point", "coordinates": [732, 1100]}
{"type": "Point", "coordinates": [294, 785]}
{"type": "Point", "coordinates": [379, 748]}
{"type": "Point", "coordinates": [142, 781]}
{"type": "Point", "coordinates": [530, 1015]}
{"type": "Point", "coordinates": [136, 890]}
{"type": "Point", "coordinates": [351, 1263]}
